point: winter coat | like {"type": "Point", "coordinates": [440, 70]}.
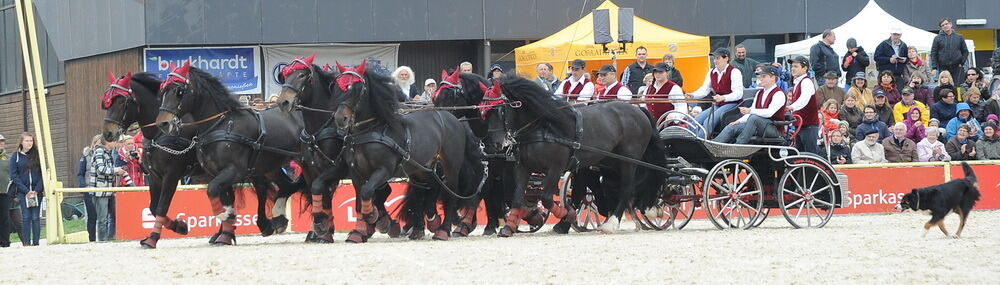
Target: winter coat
{"type": "Point", "coordinates": [923, 94]}
{"type": "Point", "coordinates": [901, 111]}
{"type": "Point", "coordinates": [884, 52]}
{"type": "Point", "coordinates": [836, 150]}
{"type": "Point", "coordinates": [988, 148]}
{"type": "Point", "coordinates": [891, 96]}
{"type": "Point", "coordinates": [954, 149]}
{"type": "Point", "coordinates": [102, 170]}
{"type": "Point", "coordinates": [822, 59]}
{"type": "Point", "coordinates": [864, 97]}
{"type": "Point", "coordinates": [943, 111]}
{"type": "Point", "coordinates": [925, 151]}
{"type": "Point", "coordinates": [824, 93]}
{"type": "Point", "coordinates": [979, 110]}
{"type": "Point", "coordinates": [952, 127]}
{"type": "Point", "coordinates": [913, 68]}
{"type": "Point", "coordinates": [22, 178]}
{"type": "Point", "coordinates": [883, 131]}
{"type": "Point", "coordinates": [899, 152]}
{"type": "Point", "coordinates": [858, 63]}
{"type": "Point", "coordinates": [862, 153]}
{"type": "Point", "coordinates": [827, 124]}
{"type": "Point", "coordinates": [853, 116]}
{"type": "Point", "coordinates": [915, 129]}
{"type": "Point", "coordinates": [992, 107]}
{"type": "Point", "coordinates": [746, 66]}
{"type": "Point", "coordinates": [884, 113]}
{"type": "Point", "coordinates": [948, 51]}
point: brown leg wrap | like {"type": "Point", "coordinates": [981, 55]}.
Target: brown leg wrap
{"type": "Point", "coordinates": [317, 204]}
{"type": "Point", "coordinates": [441, 234]}
{"type": "Point", "coordinates": [360, 232]}
{"type": "Point", "coordinates": [513, 218]}
{"type": "Point", "coordinates": [433, 223]}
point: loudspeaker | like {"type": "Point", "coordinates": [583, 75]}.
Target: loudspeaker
{"type": "Point", "coordinates": [602, 27]}
{"type": "Point", "coordinates": [625, 16]}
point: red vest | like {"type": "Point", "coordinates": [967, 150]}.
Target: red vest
{"type": "Point", "coordinates": [761, 102]}
{"type": "Point", "coordinates": [725, 86]}
{"type": "Point", "coordinates": [658, 109]}
{"type": "Point", "coordinates": [576, 90]}
{"type": "Point", "coordinates": [809, 113]}
{"type": "Point", "coordinates": [611, 93]}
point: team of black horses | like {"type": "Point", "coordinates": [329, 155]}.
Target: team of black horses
{"type": "Point", "coordinates": [482, 140]}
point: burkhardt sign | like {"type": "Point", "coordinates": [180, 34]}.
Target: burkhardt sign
{"type": "Point", "coordinates": [236, 67]}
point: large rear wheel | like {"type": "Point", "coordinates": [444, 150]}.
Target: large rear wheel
{"type": "Point", "coordinates": [805, 196]}
{"type": "Point", "coordinates": [733, 195]}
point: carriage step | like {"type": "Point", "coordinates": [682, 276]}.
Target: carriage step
{"type": "Point", "coordinates": [701, 172]}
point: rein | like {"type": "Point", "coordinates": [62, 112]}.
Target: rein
{"type": "Point", "coordinates": [202, 121]}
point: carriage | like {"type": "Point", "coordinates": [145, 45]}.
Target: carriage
{"type": "Point", "coordinates": [736, 185]}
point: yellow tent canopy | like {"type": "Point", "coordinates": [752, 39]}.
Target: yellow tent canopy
{"type": "Point", "coordinates": [576, 41]}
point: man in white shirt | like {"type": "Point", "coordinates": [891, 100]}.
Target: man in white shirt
{"type": "Point", "coordinates": [768, 106]}
{"type": "Point", "coordinates": [726, 83]}
{"type": "Point", "coordinates": [613, 89]}
{"type": "Point", "coordinates": [805, 104]}
{"type": "Point", "coordinates": [577, 86]}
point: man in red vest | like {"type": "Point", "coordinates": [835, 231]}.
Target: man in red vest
{"type": "Point", "coordinates": [613, 90]}
{"type": "Point", "coordinates": [768, 106]}
{"type": "Point", "coordinates": [804, 104]}
{"type": "Point", "coordinates": [662, 88]}
{"type": "Point", "coordinates": [577, 86]}
{"type": "Point", "coordinates": [726, 83]}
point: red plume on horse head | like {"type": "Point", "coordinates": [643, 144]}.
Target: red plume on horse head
{"type": "Point", "coordinates": [119, 87]}
{"type": "Point", "coordinates": [453, 78]}
{"type": "Point", "coordinates": [177, 75]}
{"type": "Point", "coordinates": [491, 93]}
{"type": "Point", "coordinates": [298, 64]}
{"type": "Point", "coordinates": [349, 76]}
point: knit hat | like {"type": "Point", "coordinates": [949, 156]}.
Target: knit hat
{"type": "Point", "coordinates": [992, 117]}
{"type": "Point", "coordinates": [991, 125]}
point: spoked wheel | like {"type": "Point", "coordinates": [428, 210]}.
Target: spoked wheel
{"type": "Point", "coordinates": [806, 197]}
{"type": "Point", "coordinates": [588, 218]}
{"type": "Point", "coordinates": [733, 195]}
{"type": "Point", "coordinates": [763, 216]}
{"type": "Point", "coordinates": [670, 210]}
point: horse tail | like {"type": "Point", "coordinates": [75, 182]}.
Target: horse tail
{"type": "Point", "coordinates": [649, 181]}
{"type": "Point", "coordinates": [473, 171]}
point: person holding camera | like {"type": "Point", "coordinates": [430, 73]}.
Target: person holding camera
{"type": "Point", "coordinates": [131, 159]}
{"type": "Point", "coordinates": [26, 177]}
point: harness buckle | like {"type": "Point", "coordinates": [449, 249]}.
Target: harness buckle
{"type": "Point", "coordinates": [574, 145]}
{"type": "Point", "coordinates": [515, 104]}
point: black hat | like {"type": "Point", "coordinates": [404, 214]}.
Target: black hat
{"type": "Point", "coordinates": [607, 68]}
{"type": "Point", "coordinates": [496, 67]}
{"type": "Point", "coordinates": [852, 43]}
{"type": "Point", "coordinates": [880, 92]}
{"type": "Point", "coordinates": [661, 67]}
{"type": "Point", "coordinates": [578, 63]}
{"type": "Point", "coordinates": [831, 75]}
{"type": "Point", "coordinates": [871, 131]}
{"type": "Point", "coordinates": [768, 70]}
{"type": "Point", "coordinates": [800, 59]}
{"type": "Point", "coordinates": [720, 52]}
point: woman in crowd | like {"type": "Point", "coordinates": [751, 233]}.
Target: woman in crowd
{"type": "Point", "coordinates": [851, 113]}
{"type": "Point", "coordinates": [859, 90]}
{"type": "Point", "coordinates": [988, 147]}
{"type": "Point", "coordinates": [961, 147]}
{"type": "Point", "coordinates": [840, 150]}
{"type": "Point", "coordinates": [887, 84]}
{"type": "Point", "coordinates": [974, 79]}
{"type": "Point", "coordinates": [920, 91]}
{"type": "Point", "coordinates": [945, 81]}
{"type": "Point", "coordinates": [26, 174]}
{"type": "Point", "coordinates": [976, 103]}
{"type": "Point", "coordinates": [915, 129]}
{"type": "Point", "coordinates": [930, 148]}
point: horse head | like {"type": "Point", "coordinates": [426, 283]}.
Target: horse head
{"type": "Point", "coordinates": [295, 79]}
{"type": "Point", "coordinates": [175, 93]}
{"type": "Point", "coordinates": [351, 82]}
{"type": "Point", "coordinates": [119, 102]}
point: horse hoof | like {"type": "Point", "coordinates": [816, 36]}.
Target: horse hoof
{"type": "Point", "coordinates": [180, 227]}
{"type": "Point", "coordinates": [265, 226]}
{"type": "Point", "coordinates": [441, 235]}
{"type": "Point", "coordinates": [211, 240]}
{"type": "Point", "coordinates": [462, 230]}
{"type": "Point", "coordinates": [394, 231]}
{"type": "Point", "coordinates": [433, 225]}
{"type": "Point", "coordinates": [280, 224]}
{"type": "Point", "coordinates": [570, 215]}
{"type": "Point", "coordinates": [356, 237]}
{"type": "Point", "coordinates": [326, 238]}
{"type": "Point", "coordinates": [224, 238]}
{"type": "Point", "coordinates": [561, 228]}
{"type": "Point", "coordinates": [506, 231]}
{"type": "Point", "coordinates": [488, 231]}
{"type": "Point", "coordinates": [416, 234]}
{"type": "Point", "coordinates": [150, 241]}
{"type": "Point", "coordinates": [310, 236]}
{"type": "Point", "coordinates": [383, 224]}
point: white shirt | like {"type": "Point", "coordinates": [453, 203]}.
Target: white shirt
{"type": "Point", "coordinates": [736, 77]}
{"type": "Point", "coordinates": [777, 102]}
{"type": "Point", "coordinates": [623, 93]}
{"type": "Point", "coordinates": [585, 94]}
{"type": "Point", "coordinates": [808, 89]}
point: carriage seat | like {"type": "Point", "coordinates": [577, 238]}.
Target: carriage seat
{"type": "Point", "coordinates": [781, 139]}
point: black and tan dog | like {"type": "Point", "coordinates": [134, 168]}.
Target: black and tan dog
{"type": "Point", "coordinates": [958, 195]}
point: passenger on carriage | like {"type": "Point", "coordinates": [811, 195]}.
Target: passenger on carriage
{"type": "Point", "coordinates": [804, 104]}
{"type": "Point", "coordinates": [613, 89]}
{"type": "Point", "coordinates": [768, 106]}
{"type": "Point", "coordinates": [661, 89]}
{"type": "Point", "coordinates": [577, 86]}
{"type": "Point", "coordinates": [726, 83]}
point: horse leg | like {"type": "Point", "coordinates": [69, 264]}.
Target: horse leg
{"type": "Point", "coordinates": [385, 223]}
{"type": "Point", "coordinates": [627, 176]}
{"type": "Point", "coordinates": [517, 202]}
{"type": "Point", "coordinates": [367, 213]}
{"type": "Point", "coordinates": [220, 190]}
{"type": "Point", "coordinates": [285, 190]}
{"type": "Point", "coordinates": [154, 202]}
{"type": "Point", "coordinates": [494, 197]}
{"type": "Point", "coordinates": [262, 187]}
{"type": "Point", "coordinates": [563, 211]}
{"type": "Point", "coordinates": [322, 214]}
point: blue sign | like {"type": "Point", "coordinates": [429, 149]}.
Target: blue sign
{"type": "Point", "coordinates": [238, 68]}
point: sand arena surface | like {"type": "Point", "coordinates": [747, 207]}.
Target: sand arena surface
{"type": "Point", "coordinates": [857, 249]}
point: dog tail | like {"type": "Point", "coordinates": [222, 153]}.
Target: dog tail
{"type": "Point", "coordinates": [972, 190]}
{"type": "Point", "coordinates": [969, 174]}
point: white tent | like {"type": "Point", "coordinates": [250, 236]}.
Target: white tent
{"type": "Point", "coordinates": [870, 27]}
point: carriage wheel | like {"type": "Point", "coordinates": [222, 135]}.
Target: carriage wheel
{"type": "Point", "coordinates": [763, 216]}
{"type": "Point", "coordinates": [806, 197]}
{"type": "Point", "coordinates": [669, 212]}
{"type": "Point", "coordinates": [733, 195]}
{"type": "Point", "coordinates": [588, 218]}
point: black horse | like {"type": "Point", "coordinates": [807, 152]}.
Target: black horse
{"type": "Point", "coordinates": [306, 87]}
{"type": "Point", "coordinates": [134, 99]}
{"type": "Point", "coordinates": [420, 145]}
{"type": "Point", "coordinates": [234, 143]}
{"type": "Point", "coordinates": [552, 137]}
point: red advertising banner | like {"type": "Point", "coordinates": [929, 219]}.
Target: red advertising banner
{"type": "Point", "coordinates": [877, 190]}
{"type": "Point", "coordinates": [988, 176]}
{"type": "Point", "coordinates": [135, 221]}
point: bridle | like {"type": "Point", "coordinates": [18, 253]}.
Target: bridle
{"type": "Point", "coordinates": [354, 106]}
{"type": "Point", "coordinates": [129, 99]}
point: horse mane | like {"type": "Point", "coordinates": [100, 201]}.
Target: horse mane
{"type": "Point", "coordinates": [470, 83]}
{"type": "Point", "coordinates": [148, 80]}
{"type": "Point", "coordinates": [205, 84]}
{"type": "Point", "coordinates": [382, 98]}
{"type": "Point", "coordinates": [555, 113]}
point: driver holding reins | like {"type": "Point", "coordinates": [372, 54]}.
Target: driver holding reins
{"type": "Point", "coordinates": [768, 106]}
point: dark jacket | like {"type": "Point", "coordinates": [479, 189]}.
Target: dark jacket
{"type": "Point", "coordinates": [954, 149]}
{"type": "Point", "coordinates": [884, 113]}
{"type": "Point", "coordinates": [853, 116]}
{"type": "Point", "coordinates": [937, 92]}
{"type": "Point", "coordinates": [896, 152]}
{"type": "Point", "coordinates": [948, 51]}
{"type": "Point", "coordinates": [24, 179]}
{"type": "Point", "coordinates": [866, 125]}
{"type": "Point", "coordinates": [746, 67]}
{"type": "Point", "coordinates": [943, 111]}
{"type": "Point", "coordinates": [81, 171]}
{"type": "Point", "coordinates": [836, 150]}
{"type": "Point", "coordinates": [884, 52]}
{"type": "Point", "coordinates": [923, 94]}
{"type": "Point", "coordinates": [979, 110]}
{"type": "Point", "coordinates": [988, 148]}
{"type": "Point", "coordinates": [822, 58]}
{"type": "Point", "coordinates": [858, 64]}
{"type": "Point", "coordinates": [4, 175]}
{"type": "Point", "coordinates": [633, 73]}
{"type": "Point", "coordinates": [675, 76]}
